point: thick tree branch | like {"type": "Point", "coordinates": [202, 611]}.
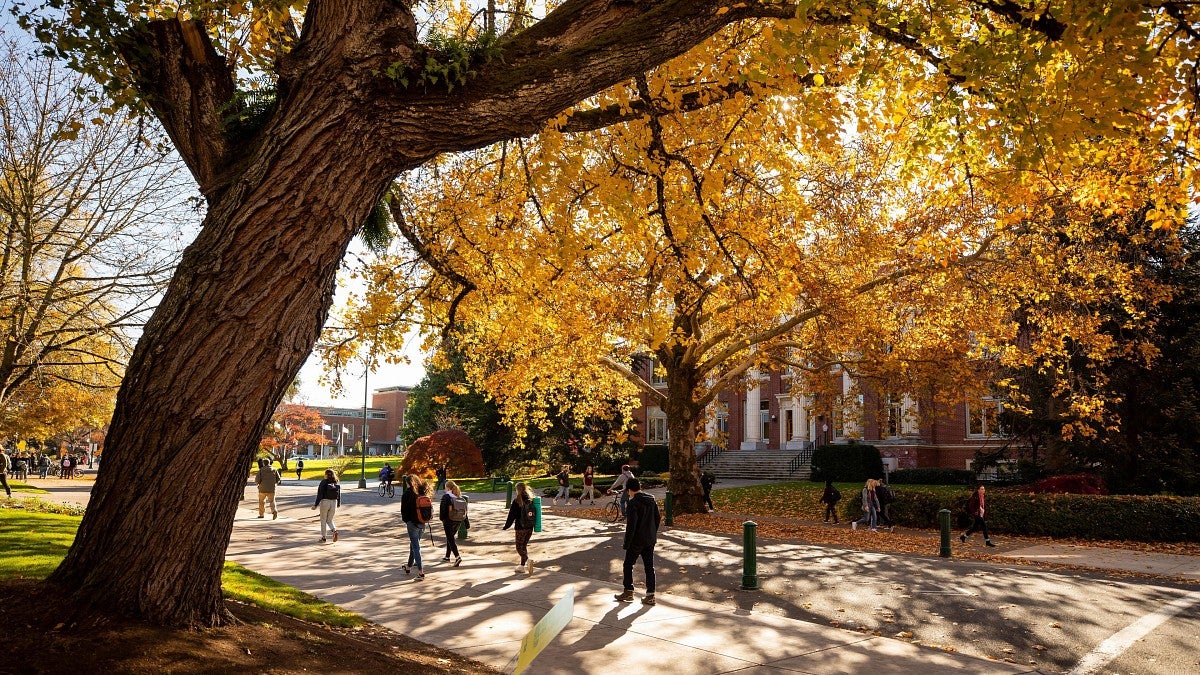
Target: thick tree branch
{"type": "Point", "coordinates": [656, 396]}
{"type": "Point", "coordinates": [187, 84]}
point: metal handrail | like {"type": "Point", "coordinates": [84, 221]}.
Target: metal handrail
{"type": "Point", "coordinates": [802, 458]}
{"type": "Point", "coordinates": [711, 455]}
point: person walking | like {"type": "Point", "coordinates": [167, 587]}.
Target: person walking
{"type": "Point", "coordinates": [564, 486]}
{"type": "Point", "coordinates": [266, 480]}
{"type": "Point", "coordinates": [977, 507]}
{"type": "Point", "coordinates": [870, 505]}
{"type": "Point", "coordinates": [589, 486]}
{"type": "Point", "coordinates": [619, 484]}
{"type": "Point", "coordinates": [830, 497]}
{"type": "Point", "coordinates": [707, 479]}
{"type": "Point", "coordinates": [299, 468]}
{"type": "Point", "coordinates": [442, 475]}
{"type": "Point", "coordinates": [4, 463]}
{"type": "Point", "coordinates": [452, 512]}
{"type": "Point", "coordinates": [886, 498]}
{"type": "Point", "coordinates": [329, 498]}
{"type": "Point", "coordinates": [416, 495]}
{"type": "Point", "coordinates": [641, 534]}
{"type": "Point", "coordinates": [520, 517]}
{"type": "Point", "coordinates": [43, 465]}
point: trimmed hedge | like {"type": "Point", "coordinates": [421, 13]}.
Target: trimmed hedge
{"type": "Point", "coordinates": [932, 477]}
{"type": "Point", "coordinates": [846, 463]}
{"type": "Point", "coordinates": [1114, 517]}
{"type": "Point", "coordinates": [654, 458]}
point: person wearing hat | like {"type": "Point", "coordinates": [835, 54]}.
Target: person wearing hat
{"type": "Point", "coordinates": [642, 519]}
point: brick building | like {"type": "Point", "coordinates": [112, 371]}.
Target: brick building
{"type": "Point", "coordinates": [384, 418]}
{"type": "Point", "coordinates": [767, 414]}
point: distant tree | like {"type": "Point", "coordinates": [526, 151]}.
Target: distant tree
{"type": "Point", "coordinates": [292, 427]}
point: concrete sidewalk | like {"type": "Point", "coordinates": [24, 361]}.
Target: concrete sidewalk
{"type": "Point", "coordinates": [484, 608]}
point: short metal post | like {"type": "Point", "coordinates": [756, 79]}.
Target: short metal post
{"type": "Point", "coordinates": [508, 496]}
{"type": "Point", "coordinates": [537, 514]}
{"type": "Point", "coordinates": [749, 556]}
{"type": "Point", "coordinates": [670, 508]}
{"type": "Point", "coordinates": [944, 522]}
{"type": "Point", "coordinates": [462, 527]}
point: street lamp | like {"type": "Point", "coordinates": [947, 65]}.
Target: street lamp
{"type": "Point", "coordinates": [362, 480]}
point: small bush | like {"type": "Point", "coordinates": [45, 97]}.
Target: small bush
{"type": "Point", "coordinates": [932, 477]}
{"type": "Point", "coordinates": [851, 462]}
{"type": "Point", "coordinates": [1077, 484]}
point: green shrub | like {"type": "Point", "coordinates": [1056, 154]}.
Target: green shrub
{"type": "Point", "coordinates": [1114, 517]}
{"type": "Point", "coordinates": [851, 462]}
{"type": "Point", "coordinates": [932, 477]}
{"type": "Point", "coordinates": [654, 458]}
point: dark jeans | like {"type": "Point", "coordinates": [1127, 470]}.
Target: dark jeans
{"type": "Point", "coordinates": [885, 515]}
{"type": "Point", "coordinates": [451, 528]}
{"type": "Point", "coordinates": [4, 481]}
{"type": "Point", "coordinates": [647, 556]}
{"type": "Point", "coordinates": [977, 524]}
{"type": "Point", "coordinates": [523, 544]}
{"type": "Point", "coordinates": [708, 499]}
{"type": "Point", "coordinates": [831, 510]}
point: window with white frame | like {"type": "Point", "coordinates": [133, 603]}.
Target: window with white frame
{"type": "Point", "coordinates": [984, 418]}
{"type": "Point", "coordinates": [723, 420]}
{"type": "Point", "coordinates": [893, 417]}
{"type": "Point", "coordinates": [656, 429]}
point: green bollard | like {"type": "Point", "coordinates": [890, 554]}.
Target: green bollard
{"type": "Point", "coordinates": [944, 522]}
{"type": "Point", "coordinates": [670, 504]}
{"type": "Point", "coordinates": [462, 527]}
{"type": "Point", "coordinates": [749, 556]}
{"type": "Point", "coordinates": [508, 497]}
{"type": "Point", "coordinates": [537, 514]}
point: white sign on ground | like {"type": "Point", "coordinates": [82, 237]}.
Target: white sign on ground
{"type": "Point", "coordinates": [545, 630]}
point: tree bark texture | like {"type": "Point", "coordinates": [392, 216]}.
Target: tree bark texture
{"type": "Point", "coordinates": [682, 416]}
{"type": "Point", "coordinates": [253, 291]}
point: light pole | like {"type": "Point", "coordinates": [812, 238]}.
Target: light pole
{"type": "Point", "coordinates": [362, 480]}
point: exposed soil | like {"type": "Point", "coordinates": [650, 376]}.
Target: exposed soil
{"type": "Point", "coordinates": [36, 639]}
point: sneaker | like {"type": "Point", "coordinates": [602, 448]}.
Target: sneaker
{"type": "Point", "coordinates": [988, 542]}
{"type": "Point", "coordinates": [649, 599]}
{"type": "Point", "coordinates": [335, 535]}
{"type": "Point", "coordinates": [962, 538]}
{"type": "Point", "coordinates": [624, 596]}
{"type": "Point", "coordinates": [406, 568]}
{"type": "Point", "coordinates": [446, 559]}
{"type": "Point", "coordinates": [420, 576]}
{"type": "Point", "coordinates": [854, 525]}
{"type": "Point", "coordinates": [873, 530]}
{"type": "Point", "coordinates": [274, 515]}
{"type": "Point", "coordinates": [260, 515]}
{"type": "Point", "coordinates": [457, 562]}
{"type": "Point", "coordinates": [322, 540]}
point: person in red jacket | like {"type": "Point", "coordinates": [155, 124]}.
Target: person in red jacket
{"type": "Point", "coordinates": [978, 510]}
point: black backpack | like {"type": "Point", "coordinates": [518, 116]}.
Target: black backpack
{"type": "Point", "coordinates": [885, 495]}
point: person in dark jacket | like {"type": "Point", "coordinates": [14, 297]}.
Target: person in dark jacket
{"type": "Point", "coordinates": [413, 487]}
{"type": "Point", "coordinates": [707, 478]}
{"type": "Point", "coordinates": [449, 525]}
{"type": "Point", "coordinates": [830, 498]}
{"type": "Point", "coordinates": [978, 509]}
{"type": "Point", "coordinates": [329, 497]}
{"type": "Point", "coordinates": [642, 519]}
{"type": "Point", "coordinates": [520, 515]}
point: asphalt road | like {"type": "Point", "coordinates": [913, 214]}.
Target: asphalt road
{"type": "Point", "coordinates": [1048, 620]}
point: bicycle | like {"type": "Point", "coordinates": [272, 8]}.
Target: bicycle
{"type": "Point", "coordinates": [387, 490]}
{"type": "Point", "coordinates": [612, 510]}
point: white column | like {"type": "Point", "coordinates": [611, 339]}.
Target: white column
{"type": "Point", "coordinates": [752, 432]}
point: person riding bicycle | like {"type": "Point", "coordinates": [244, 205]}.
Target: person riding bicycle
{"type": "Point", "coordinates": [619, 484]}
{"type": "Point", "coordinates": [387, 474]}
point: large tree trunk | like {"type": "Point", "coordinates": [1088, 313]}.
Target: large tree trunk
{"type": "Point", "coordinates": [682, 416]}
{"type": "Point", "coordinates": [240, 317]}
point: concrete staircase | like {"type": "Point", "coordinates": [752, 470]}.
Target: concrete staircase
{"type": "Point", "coordinates": [758, 465]}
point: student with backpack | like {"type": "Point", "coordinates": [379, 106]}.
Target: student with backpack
{"type": "Point", "coordinates": [416, 509]}
{"type": "Point", "coordinates": [830, 498]}
{"type": "Point", "coordinates": [452, 512]}
{"type": "Point", "coordinates": [329, 497]}
{"type": "Point", "coordinates": [520, 514]}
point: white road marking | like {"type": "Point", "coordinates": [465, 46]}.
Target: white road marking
{"type": "Point", "coordinates": [1119, 642]}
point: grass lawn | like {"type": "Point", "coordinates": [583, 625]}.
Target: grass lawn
{"type": "Point", "coordinates": [26, 488]}
{"type": "Point", "coordinates": [315, 468]}
{"type": "Point", "coordinates": [33, 543]}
